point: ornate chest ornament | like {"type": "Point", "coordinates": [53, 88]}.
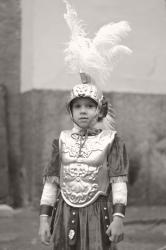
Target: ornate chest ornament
{"type": "Point", "coordinates": [74, 149]}
{"type": "Point", "coordinates": [84, 173]}
{"type": "Point", "coordinates": [79, 184]}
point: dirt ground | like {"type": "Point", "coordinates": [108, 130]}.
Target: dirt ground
{"type": "Point", "coordinates": [145, 229]}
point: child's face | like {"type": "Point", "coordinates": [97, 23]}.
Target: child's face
{"type": "Point", "coordinates": [84, 111]}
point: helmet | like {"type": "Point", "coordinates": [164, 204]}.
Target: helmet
{"type": "Point", "coordinates": [85, 89]}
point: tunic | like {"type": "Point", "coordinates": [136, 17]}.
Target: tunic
{"type": "Point", "coordinates": [81, 220]}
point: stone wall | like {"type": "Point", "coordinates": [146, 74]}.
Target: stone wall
{"type": "Point", "coordinates": [140, 121]}
{"type": "Point", "coordinates": [10, 78]}
{"type": "Point", "coordinates": [4, 187]}
{"type": "Point", "coordinates": [140, 117]}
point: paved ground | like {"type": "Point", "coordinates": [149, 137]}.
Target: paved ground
{"type": "Point", "coordinates": [145, 229]}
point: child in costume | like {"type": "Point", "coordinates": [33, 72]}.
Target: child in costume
{"type": "Point", "coordinates": [85, 188]}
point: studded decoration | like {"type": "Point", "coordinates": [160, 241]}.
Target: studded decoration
{"type": "Point", "coordinates": [71, 234]}
{"type": "Point", "coordinates": [86, 90]}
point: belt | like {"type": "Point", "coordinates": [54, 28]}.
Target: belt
{"type": "Point", "coordinates": [54, 213]}
{"type": "Point", "coordinates": [73, 226]}
{"type": "Point", "coordinates": [105, 220]}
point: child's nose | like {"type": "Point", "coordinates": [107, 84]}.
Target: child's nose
{"type": "Point", "coordinates": [83, 109]}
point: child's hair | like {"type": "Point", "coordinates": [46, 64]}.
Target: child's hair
{"type": "Point", "coordinates": [103, 109]}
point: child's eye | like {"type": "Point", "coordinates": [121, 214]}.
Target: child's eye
{"type": "Point", "coordinates": [77, 106]}
{"type": "Point", "coordinates": [90, 106]}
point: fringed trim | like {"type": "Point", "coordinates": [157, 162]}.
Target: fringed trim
{"type": "Point", "coordinates": [51, 179]}
{"type": "Point", "coordinates": [115, 179]}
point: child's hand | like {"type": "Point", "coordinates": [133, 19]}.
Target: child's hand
{"type": "Point", "coordinates": [115, 230]}
{"type": "Point", "coordinates": [44, 230]}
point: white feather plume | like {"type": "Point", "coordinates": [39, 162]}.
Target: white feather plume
{"type": "Point", "coordinates": [98, 56]}
{"type": "Point", "coordinates": [110, 35]}
{"type": "Point", "coordinates": [73, 22]}
{"type": "Point", "coordinates": [116, 53]}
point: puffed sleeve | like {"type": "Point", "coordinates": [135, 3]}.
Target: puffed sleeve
{"type": "Point", "coordinates": [118, 162]}
{"type": "Point", "coordinates": [51, 175]}
{"type": "Point", "coordinates": [51, 172]}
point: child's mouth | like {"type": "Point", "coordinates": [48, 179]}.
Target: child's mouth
{"type": "Point", "coordinates": [83, 118]}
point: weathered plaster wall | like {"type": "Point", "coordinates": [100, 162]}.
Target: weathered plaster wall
{"type": "Point", "coordinates": [45, 34]}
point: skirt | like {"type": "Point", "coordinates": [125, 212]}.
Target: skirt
{"type": "Point", "coordinates": [82, 228]}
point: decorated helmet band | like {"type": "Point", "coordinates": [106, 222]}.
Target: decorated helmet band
{"type": "Point", "coordinates": [85, 89]}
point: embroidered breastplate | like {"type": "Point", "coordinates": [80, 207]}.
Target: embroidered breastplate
{"type": "Point", "coordinates": [84, 173]}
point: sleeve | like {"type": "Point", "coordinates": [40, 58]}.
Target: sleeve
{"type": "Point", "coordinates": [118, 162]}
{"type": "Point", "coordinates": [118, 165]}
{"type": "Point", "coordinates": [51, 180]}
{"type": "Point", "coordinates": [49, 194]}
{"type": "Point", "coordinates": [51, 172]}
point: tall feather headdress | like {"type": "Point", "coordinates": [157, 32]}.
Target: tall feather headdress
{"type": "Point", "coordinates": [96, 57]}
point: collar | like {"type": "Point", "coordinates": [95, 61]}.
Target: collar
{"type": "Point", "coordinates": [85, 132]}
